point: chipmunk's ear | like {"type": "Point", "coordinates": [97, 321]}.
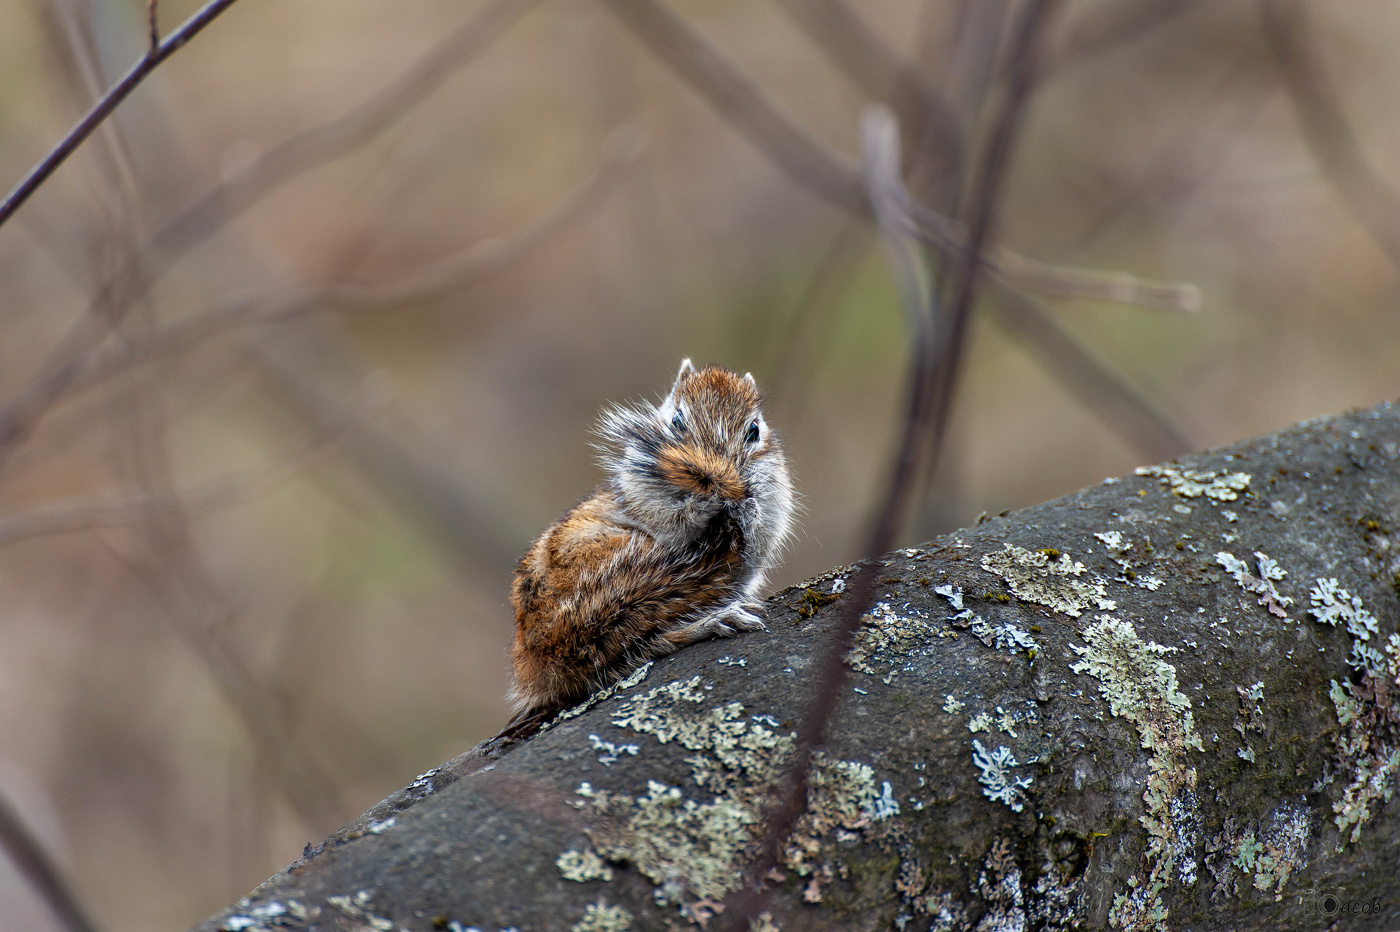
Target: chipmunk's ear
{"type": "Point", "coordinates": [686, 369]}
{"type": "Point", "coordinates": [748, 377]}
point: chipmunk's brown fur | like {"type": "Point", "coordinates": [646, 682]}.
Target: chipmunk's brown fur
{"type": "Point", "coordinates": [672, 550]}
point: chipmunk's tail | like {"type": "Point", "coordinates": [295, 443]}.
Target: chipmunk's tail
{"type": "Point", "coordinates": [525, 723]}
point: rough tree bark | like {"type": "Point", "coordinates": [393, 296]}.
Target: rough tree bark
{"type": "Point", "coordinates": [1165, 702]}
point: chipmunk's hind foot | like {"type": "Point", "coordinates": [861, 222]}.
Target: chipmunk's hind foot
{"type": "Point", "coordinates": [724, 622]}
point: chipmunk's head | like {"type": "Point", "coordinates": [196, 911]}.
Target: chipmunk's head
{"type": "Point", "coordinates": [704, 450]}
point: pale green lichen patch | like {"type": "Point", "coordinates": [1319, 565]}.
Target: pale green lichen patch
{"type": "Point", "coordinates": [1048, 577]}
{"type": "Point", "coordinates": [1282, 846]}
{"type": "Point", "coordinates": [600, 917]}
{"type": "Point", "coordinates": [888, 638]}
{"type": "Point", "coordinates": [622, 685]}
{"type": "Point", "coordinates": [357, 907]}
{"type": "Point", "coordinates": [1368, 744]}
{"type": "Point", "coordinates": [1271, 854]}
{"type": "Point", "coordinates": [689, 850]}
{"type": "Point", "coordinates": [693, 849]}
{"type": "Point", "coordinates": [998, 778]}
{"type": "Point", "coordinates": [1220, 486]}
{"type": "Point", "coordinates": [583, 866]}
{"type": "Point", "coordinates": [1141, 687]}
{"type": "Point", "coordinates": [1333, 605]}
{"type": "Point", "coordinates": [1261, 585]}
{"type": "Point", "coordinates": [844, 799]}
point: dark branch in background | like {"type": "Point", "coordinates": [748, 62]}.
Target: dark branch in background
{"type": "Point", "coordinates": [333, 139]}
{"type": "Point", "coordinates": [1120, 406]}
{"type": "Point", "coordinates": [1189, 154]}
{"type": "Point", "coordinates": [938, 343]}
{"type": "Point", "coordinates": [224, 201]}
{"type": "Point", "coordinates": [153, 26]}
{"type": "Point", "coordinates": [990, 173]}
{"type": "Point", "coordinates": [809, 160]}
{"type": "Point", "coordinates": [826, 173]}
{"type": "Point", "coordinates": [741, 101]}
{"type": "Point", "coordinates": [880, 138]}
{"type": "Point", "coordinates": [431, 280]}
{"type": "Point", "coordinates": [1109, 26]}
{"type": "Point", "coordinates": [469, 520]}
{"type": "Point", "coordinates": [152, 60]}
{"type": "Point", "coordinates": [1366, 195]}
{"type": "Point", "coordinates": [936, 133]}
{"type": "Point", "coordinates": [453, 508]}
{"type": "Point", "coordinates": [34, 863]}
{"type": "Point", "coordinates": [212, 495]}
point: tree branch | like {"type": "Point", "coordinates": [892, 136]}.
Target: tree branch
{"type": "Point", "coordinates": [1367, 196]}
{"type": "Point", "coordinates": [33, 862]}
{"type": "Point", "coordinates": [152, 60]}
{"type": "Point", "coordinates": [1162, 729]}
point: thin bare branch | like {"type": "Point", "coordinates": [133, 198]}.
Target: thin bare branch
{"type": "Point", "coordinates": [1109, 26]}
{"type": "Point", "coordinates": [938, 343]}
{"type": "Point", "coordinates": [335, 138]}
{"type": "Point", "coordinates": [1372, 200]}
{"type": "Point", "coordinates": [810, 160]}
{"type": "Point", "coordinates": [478, 261]}
{"type": "Point", "coordinates": [827, 173]}
{"type": "Point", "coordinates": [153, 27]}
{"type": "Point", "coordinates": [934, 128]}
{"type": "Point", "coordinates": [1120, 406]}
{"type": "Point", "coordinates": [880, 138]}
{"type": "Point", "coordinates": [990, 172]}
{"type": "Point", "coordinates": [208, 497]}
{"type": "Point", "coordinates": [161, 551]}
{"type": "Point", "coordinates": [474, 525]}
{"type": "Point", "coordinates": [109, 102]}
{"type": "Point", "coordinates": [1191, 149]}
{"type": "Point", "coordinates": [208, 213]}
{"type": "Point", "coordinates": [33, 862]}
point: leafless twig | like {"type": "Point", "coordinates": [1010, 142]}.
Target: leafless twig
{"type": "Point", "coordinates": [31, 860]}
{"type": "Point", "coordinates": [153, 26]}
{"type": "Point", "coordinates": [937, 345]}
{"type": "Point", "coordinates": [1108, 26]}
{"type": "Point", "coordinates": [477, 261]}
{"type": "Point", "coordinates": [109, 102]}
{"type": "Point", "coordinates": [827, 173]}
{"type": "Point", "coordinates": [1369, 198]}
{"type": "Point", "coordinates": [936, 130]}
{"type": "Point", "coordinates": [990, 171]}
{"type": "Point", "coordinates": [145, 266]}
{"type": "Point", "coordinates": [1120, 406]}
{"type": "Point", "coordinates": [209, 496]}
{"type": "Point", "coordinates": [880, 137]}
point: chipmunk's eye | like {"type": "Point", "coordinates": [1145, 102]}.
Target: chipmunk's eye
{"type": "Point", "coordinates": [752, 435]}
{"type": "Point", "coordinates": [678, 422]}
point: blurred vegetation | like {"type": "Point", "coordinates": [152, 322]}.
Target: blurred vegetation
{"type": "Point", "coordinates": [251, 585]}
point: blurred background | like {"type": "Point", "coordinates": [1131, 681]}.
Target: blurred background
{"type": "Point", "coordinates": [303, 347]}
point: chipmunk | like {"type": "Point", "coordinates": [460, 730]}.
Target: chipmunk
{"type": "Point", "coordinates": [672, 549]}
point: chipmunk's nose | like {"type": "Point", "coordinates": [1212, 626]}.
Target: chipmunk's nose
{"type": "Point", "coordinates": [697, 472]}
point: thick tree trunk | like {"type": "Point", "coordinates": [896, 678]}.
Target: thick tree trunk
{"type": "Point", "coordinates": [1170, 701]}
